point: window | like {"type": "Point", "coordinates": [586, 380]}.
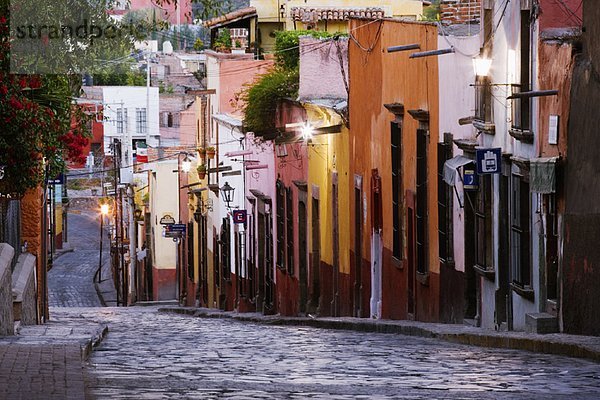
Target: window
{"type": "Point", "coordinates": [445, 202]}
{"type": "Point", "coordinates": [140, 120]}
{"type": "Point", "coordinates": [280, 224]}
{"type": "Point", "coordinates": [120, 121]}
{"type": "Point", "coordinates": [226, 249]}
{"type": "Point", "coordinates": [421, 206]}
{"type": "Point", "coordinates": [483, 89]}
{"type": "Point", "coordinates": [190, 248]}
{"type": "Point", "coordinates": [290, 231]}
{"type": "Point", "coordinates": [396, 141]}
{"type": "Point", "coordinates": [520, 235]}
{"type": "Point", "coordinates": [483, 99]}
{"type": "Point", "coordinates": [483, 224]}
{"type": "Point", "coordinates": [521, 107]}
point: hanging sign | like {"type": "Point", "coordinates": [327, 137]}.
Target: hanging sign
{"type": "Point", "coordinates": [167, 219]}
{"type": "Point", "coordinates": [239, 216]}
{"type": "Point", "coordinates": [489, 161]}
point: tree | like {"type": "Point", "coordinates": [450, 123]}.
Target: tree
{"type": "Point", "coordinates": [432, 12]}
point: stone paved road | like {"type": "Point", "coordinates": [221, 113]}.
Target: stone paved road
{"type": "Point", "coordinates": [70, 281]}
{"type": "Point", "coordinates": [148, 355]}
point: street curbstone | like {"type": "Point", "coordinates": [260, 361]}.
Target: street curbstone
{"type": "Point", "coordinates": [451, 333]}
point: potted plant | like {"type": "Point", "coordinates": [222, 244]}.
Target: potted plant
{"type": "Point", "coordinates": [210, 152]}
{"type": "Point", "coordinates": [202, 152]}
{"type": "Point", "coordinates": [201, 171]}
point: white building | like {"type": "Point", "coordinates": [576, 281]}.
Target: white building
{"type": "Point", "coordinates": [130, 113]}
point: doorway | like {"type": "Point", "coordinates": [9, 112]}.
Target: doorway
{"type": "Point", "coordinates": [358, 238]}
{"type": "Point", "coordinates": [302, 256]}
{"type": "Point", "coordinates": [315, 292]}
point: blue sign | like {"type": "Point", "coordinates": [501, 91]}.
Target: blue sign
{"type": "Point", "coordinates": [489, 161]}
{"type": "Point", "coordinates": [239, 216]}
{"type": "Point", "coordinates": [59, 180]}
{"type": "Point", "coordinates": [176, 228]}
{"type": "Point", "coordinates": [470, 180]}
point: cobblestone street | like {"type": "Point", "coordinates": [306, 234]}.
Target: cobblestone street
{"type": "Point", "coordinates": [151, 355]}
{"type": "Point", "coordinates": [70, 281]}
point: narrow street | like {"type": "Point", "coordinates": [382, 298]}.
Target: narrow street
{"type": "Point", "coordinates": [70, 281]}
{"type": "Point", "coordinates": [152, 355]}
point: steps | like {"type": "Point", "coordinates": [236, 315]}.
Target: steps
{"type": "Point", "coordinates": [541, 323]}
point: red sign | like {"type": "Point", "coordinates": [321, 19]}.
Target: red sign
{"type": "Point", "coordinates": [239, 216]}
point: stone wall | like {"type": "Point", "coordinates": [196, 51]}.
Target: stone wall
{"type": "Point", "coordinates": [460, 11]}
{"type": "Point", "coordinates": [7, 326]}
{"type": "Point", "coordinates": [24, 290]}
{"type": "Point", "coordinates": [31, 219]}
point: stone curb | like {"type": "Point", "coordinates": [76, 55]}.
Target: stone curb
{"type": "Point", "coordinates": [475, 337]}
{"type": "Point", "coordinates": [93, 342]}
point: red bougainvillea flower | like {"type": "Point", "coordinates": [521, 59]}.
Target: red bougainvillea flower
{"type": "Point", "coordinates": [15, 103]}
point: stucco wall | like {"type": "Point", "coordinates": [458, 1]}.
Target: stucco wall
{"type": "Point", "coordinates": [6, 299]}
{"type": "Point", "coordinates": [559, 13]}
{"type": "Point", "coordinates": [379, 78]}
{"type": "Point", "coordinates": [234, 74]}
{"type": "Point", "coordinates": [321, 69]}
{"type": "Point", "coordinates": [582, 217]}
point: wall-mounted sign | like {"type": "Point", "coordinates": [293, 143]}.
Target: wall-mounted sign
{"type": "Point", "coordinates": [470, 180]}
{"type": "Point", "coordinates": [240, 216]}
{"type": "Point", "coordinates": [553, 130]}
{"type": "Point", "coordinates": [489, 161]}
{"type": "Point", "coordinates": [167, 219]}
{"type": "Point", "coordinates": [176, 228]}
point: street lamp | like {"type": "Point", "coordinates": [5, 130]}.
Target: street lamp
{"type": "Point", "coordinates": [307, 131]}
{"type": "Point", "coordinates": [481, 66]}
{"type": "Point", "coordinates": [186, 164]}
{"type": "Point", "coordinates": [227, 192]}
{"type": "Point", "coordinates": [104, 210]}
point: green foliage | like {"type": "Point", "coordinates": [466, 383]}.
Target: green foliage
{"type": "Point", "coordinates": [262, 98]}
{"type": "Point", "coordinates": [223, 39]}
{"type": "Point", "coordinates": [287, 51]}
{"type": "Point", "coordinates": [117, 78]}
{"type": "Point", "coordinates": [198, 45]}
{"type": "Point", "coordinates": [432, 12]}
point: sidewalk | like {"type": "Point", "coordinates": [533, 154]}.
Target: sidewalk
{"type": "Point", "coordinates": [47, 361]}
{"type": "Point", "coordinates": [106, 288]}
{"type": "Point", "coordinates": [557, 343]}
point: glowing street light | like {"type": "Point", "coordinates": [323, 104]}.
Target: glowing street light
{"type": "Point", "coordinates": [482, 66]}
{"type": "Point", "coordinates": [186, 164]}
{"type": "Point", "coordinates": [307, 131]}
{"type": "Point", "coordinates": [104, 209]}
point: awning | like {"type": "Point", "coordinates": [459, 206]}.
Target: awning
{"type": "Point", "coordinates": [542, 174]}
{"type": "Point", "coordinates": [450, 167]}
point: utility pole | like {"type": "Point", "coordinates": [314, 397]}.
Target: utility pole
{"type": "Point", "coordinates": [116, 258]}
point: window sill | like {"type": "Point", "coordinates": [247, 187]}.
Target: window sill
{"type": "Point", "coordinates": [489, 274]}
{"type": "Point", "coordinates": [398, 263]}
{"type": "Point", "coordinates": [485, 127]}
{"type": "Point", "coordinates": [422, 278]}
{"type": "Point", "coordinates": [523, 135]}
{"type": "Point", "coordinates": [525, 292]}
{"type": "Point", "coordinates": [448, 264]}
